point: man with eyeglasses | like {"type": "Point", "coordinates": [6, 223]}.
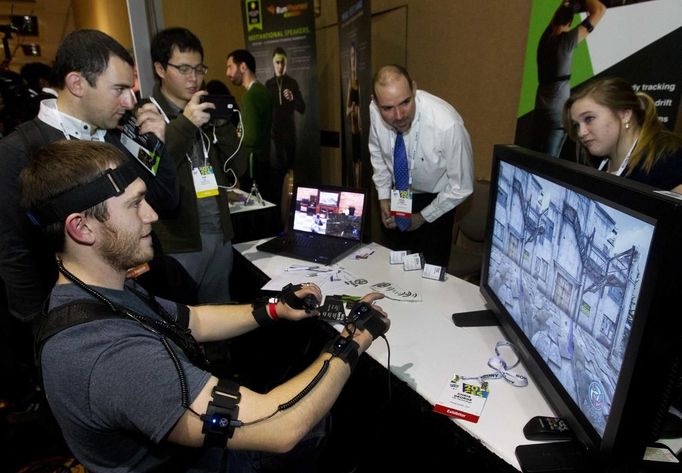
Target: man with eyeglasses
{"type": "Point", "coordinates": [208, 159]}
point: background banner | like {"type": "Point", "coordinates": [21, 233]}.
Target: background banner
{"type": "Point", "coordinates": [355, 30]}
{"type": "Point", "coordinates": [637, 40]}
{"type": "Point", "coordinates": [275, 30]}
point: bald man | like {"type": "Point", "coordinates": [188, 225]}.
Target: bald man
{"type": "Point", "coordinates": [417, 214]}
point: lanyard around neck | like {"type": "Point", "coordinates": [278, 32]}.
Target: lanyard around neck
{"type": "Point", "coordinates": [604, 164]}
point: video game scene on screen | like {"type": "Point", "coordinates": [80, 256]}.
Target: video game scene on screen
{"type": "Point", "coordinates": [329, 213]}
{"type": "Point", "coordinates": [568, 270]}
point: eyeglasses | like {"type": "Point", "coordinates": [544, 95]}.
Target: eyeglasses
{"type": "Point", "coordinates": [186, 69]}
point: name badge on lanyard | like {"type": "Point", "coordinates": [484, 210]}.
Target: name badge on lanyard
{"type": "Point", "coordinates": [401, 203]}
{"type": "Point", "coordinates": [205, 183]}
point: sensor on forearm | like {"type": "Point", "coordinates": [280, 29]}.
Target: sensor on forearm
{"type": "Point", "coordinates": [365, 317]}
{"type": "Point", "coordinates": [344, 348]}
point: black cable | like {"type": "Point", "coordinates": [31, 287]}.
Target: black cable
{"type": "Point", "coordinates": [351, 328]}
{"type": "Point", "coordinates": [72, 277]}
{"type": "Point", "coordinates": [184, 390]}
{"type": "Point", "coordinates": [144, 322]}
{"type": "Point", "coordinates": [294, 400]}
{"type": "Point", "coordinates": [308, 388]}
{"type": "Point", "coordinates": [388, 368]}
{"type": "Point", "coordinates": [181, 336]}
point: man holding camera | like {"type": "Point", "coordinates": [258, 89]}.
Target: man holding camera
{"type": "Point", "coordinates": [208, 160]}
{"type": "Point", "coordinates": [94, 76]}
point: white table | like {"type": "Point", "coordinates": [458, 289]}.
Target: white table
{"type": "Point", "coordinates": [427, 348]}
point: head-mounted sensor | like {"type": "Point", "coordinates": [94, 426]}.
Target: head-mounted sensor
{"type": "Point", "coordinates": [111, 183]}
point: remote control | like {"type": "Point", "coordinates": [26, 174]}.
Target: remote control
{"type": "Point", "coordinates": [547, 428]}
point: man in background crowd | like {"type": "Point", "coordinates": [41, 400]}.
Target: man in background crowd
{"type": "Point", "coordinates": [256, 110]}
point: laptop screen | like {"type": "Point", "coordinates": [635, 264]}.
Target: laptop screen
{"type": "Point", "coordinates": [329, 211]}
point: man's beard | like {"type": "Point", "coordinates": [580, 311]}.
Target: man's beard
{"type": "Point", "coordinates": [122, 250]}
{"type": "Point", "coordinates": [237, 80]}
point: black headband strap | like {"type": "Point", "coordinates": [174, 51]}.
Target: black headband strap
{"type": "Point", "coordinates": [111, 183]}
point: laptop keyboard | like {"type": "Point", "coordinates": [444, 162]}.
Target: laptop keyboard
{"type": "Point", "coordinates": [305, 241]}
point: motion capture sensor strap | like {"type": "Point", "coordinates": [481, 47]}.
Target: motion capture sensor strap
{"type": "Point", "coordinates": [221, 415]}
{"type": "Point", "coordinates": [111, 183]}
{"type": "Point", "coordinates": [266, 313]}
{"type": "Point", "coordinates": [588, 25]}
{"type": "Point", "coordinates": [288, 296]}
{"type": "Point", "coordinates": [344, 348]}
{"type": "Point", "coordinates": [366, 317]}
{"type": "Point", "coordinates": [260, 313]}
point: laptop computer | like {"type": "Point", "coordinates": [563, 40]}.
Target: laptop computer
{"type": "Point", "coordinates": [325, 224]}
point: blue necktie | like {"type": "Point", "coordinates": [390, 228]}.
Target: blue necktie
{"type": "Point", "coordinates": [402, 176]}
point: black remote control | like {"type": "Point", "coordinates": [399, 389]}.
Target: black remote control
{"type": "Point", "coordinates": [547, 428]}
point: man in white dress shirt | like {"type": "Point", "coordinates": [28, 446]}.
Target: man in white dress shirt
{"type": "Point", "coordinates": [439, 164]}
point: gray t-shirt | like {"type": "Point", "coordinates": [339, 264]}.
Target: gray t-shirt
{"type": "Point", "coordinates": [555, 61]}
{"type": "Point", "coordinates": [113, 387]}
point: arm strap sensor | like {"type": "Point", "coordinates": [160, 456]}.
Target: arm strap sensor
{"type": "Point", "coordinates": [221, 415]}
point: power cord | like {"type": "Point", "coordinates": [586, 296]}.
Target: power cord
{"type": "Point", "coordinates": [388, 368]}
{"type": "Point", "coordinates": [351, 328]}
{"type": "Point", "coordinates": [227, 170]}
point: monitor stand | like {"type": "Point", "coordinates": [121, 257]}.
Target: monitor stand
{"type": "Point", "coordinates": [564, 457]}
{"type": "Point", "coordinates": [672, 426]}
{"type": "Point", "coordinates": [476, 318]}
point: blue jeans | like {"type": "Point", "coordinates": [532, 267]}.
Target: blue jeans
{"type": "Point", "coordinates": [548, 132]}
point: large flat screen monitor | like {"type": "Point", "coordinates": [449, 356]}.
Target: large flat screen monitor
{"type": "Point", "coordinates": [581, 269]}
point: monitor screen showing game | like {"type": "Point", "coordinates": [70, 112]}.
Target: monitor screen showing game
{"type": "Point", "coordinates": [574, 268]}
{"type": "Point", "coordinates": [568, 269]}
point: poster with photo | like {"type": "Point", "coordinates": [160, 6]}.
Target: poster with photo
{"type": "Point", "coordinates": [637, 40]}
{"type": "Point", "coordinates": [355, 31]}
{"type": "Point", "coordinates": [281, 36]}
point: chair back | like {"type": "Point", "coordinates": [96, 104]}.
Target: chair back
{"type": "Point", "coordinates": [473, 221]}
